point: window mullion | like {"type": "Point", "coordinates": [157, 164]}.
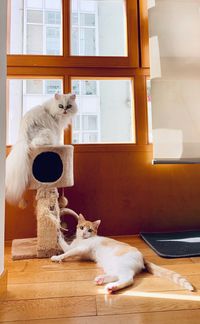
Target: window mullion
{"type": "Point", "coordinates": [66, 27]}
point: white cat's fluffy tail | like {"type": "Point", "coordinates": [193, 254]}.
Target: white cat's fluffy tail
{"type": "Point", "coordinates": [17, 172]}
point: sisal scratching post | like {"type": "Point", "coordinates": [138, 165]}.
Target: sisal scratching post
{"type": "Point", "coordinates": [48, 221]}
{"type": "Point", "coordinates": [51, 168]}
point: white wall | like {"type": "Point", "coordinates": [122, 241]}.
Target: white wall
{"type": "Point", "coordinates": [3, 14]}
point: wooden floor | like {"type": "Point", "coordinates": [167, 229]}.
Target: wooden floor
{"type": "Point", "coordinates": [42, 292]}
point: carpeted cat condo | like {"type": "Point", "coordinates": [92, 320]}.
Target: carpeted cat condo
{"type": "Point", "coordinates": [51, 168]}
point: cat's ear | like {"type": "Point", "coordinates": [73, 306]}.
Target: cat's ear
{"type": "Point", "coordinates": [57, 96]}
{"type": "Point", "coordinates": [81, 218]}
{"type": "Point", "coordinates": [73, 97]}
{"type": "Point", "coordinates": [96, 224]}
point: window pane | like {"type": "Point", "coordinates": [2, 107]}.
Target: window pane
{"type": "Point", "coordinates": [75, 41]}
{"type": "Point", "coordinates": [53, 40]}
{"type": "Point", "coordinates": [87, 5]}
{"type": "Point", "coordinates": [88, 87]}
{"type": "Point", "coordinates": [32, 3]}
{"type": "Point", "coordinates": [149, 112]}
{"type": "Point", "coordinates": [23, 95]}
{"type": "Point", "coordinates": [76, 123]}
{"type": "Point", "coordinates": [90, 123]}
{"type": "Point", "coordinates": [76, 87]}
{"type": "Point", "coordinates": [34, 86]}
{"type": "Point", "coordinates": [87, 41]}
{"type": "Point", "coordinates": [106, 113]}
{"type": "Point", "coordinates": [90, 137]}
{"type": "Point", "coordinates": [35, 16]}
{"type": "Point", "coordinates": [53, 4]}
{"type": "Point", "coordinates": [53, 86]}
{"type": "Point", "coordinates": [76, 138]}
{"type": "Point", "coordinates": [52, 17]}
{"type": "Point", "coordinates": [29, 32]}
{"type": "Point", "coordinates": [87, 19]}
{"type": "Point", "coordinates": [34, 39]}
{"type": "Point", "coordinates": [99, 40]}
{"type": "Point", "coordinates": [74, 19]}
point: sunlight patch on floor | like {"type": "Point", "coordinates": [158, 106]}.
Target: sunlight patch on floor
{"type": "Point", "coordinates": [191, 297]}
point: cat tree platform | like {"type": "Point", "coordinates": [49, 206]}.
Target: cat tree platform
{"type": "Point", "coordinates": [51, 168]}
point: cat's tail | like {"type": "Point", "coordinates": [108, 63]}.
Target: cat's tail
{"type": "Point", "coordinates": [17, 172]}
{"type": "Point", "coordinates": [171, 275]}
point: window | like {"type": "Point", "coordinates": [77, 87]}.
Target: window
{"type": "Point", "coordinates": [106, 111]}
{"type": "Point", "coordinates": [35, 29]}
{"type": "Point", "coordinates": [79, 46]}
{"type": "Point", "coordinates": [25, 94]}
{"type": "Point", "coordinates": [93, 26]}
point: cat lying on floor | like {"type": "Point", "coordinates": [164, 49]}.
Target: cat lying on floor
{"type": "Point", "coordinates": [120, 261]}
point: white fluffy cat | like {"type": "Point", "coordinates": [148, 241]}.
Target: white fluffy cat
{"type": "Point", "coordinates": [42, 125]}
{"type": "Point", "coordinates": [120, 261]}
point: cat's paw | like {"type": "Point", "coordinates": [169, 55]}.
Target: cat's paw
{"type": "Point", "coordinates": [111, 287]}
{"type": "Point", "coordinates": [99, 280]}
{"type": "Point", "coordinates": [56, 258]}
{"type": "Point", "coordinates": [105, 278]}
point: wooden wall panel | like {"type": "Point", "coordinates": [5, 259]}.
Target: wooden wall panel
{"type": "Point", "coordinates": [127, 192]}
{"type": "Point", "coordinates": [20, 223]}
{"type": "Point", "coordinates": [130, 194]}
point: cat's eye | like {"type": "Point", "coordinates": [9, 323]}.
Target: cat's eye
{"type": "Point", "coordinates": [81, 227]}
{"type": "Point", "coordinates": [61, 106]}
{"type": "Point", "coordinates": [69, 106]}
{"type": "Point", "coordinates": [90, 230]}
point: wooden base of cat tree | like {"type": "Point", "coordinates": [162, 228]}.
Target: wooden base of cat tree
{"type": "Point", "coordinates": [48, 210]}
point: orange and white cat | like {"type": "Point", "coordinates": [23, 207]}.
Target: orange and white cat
{"type": "Point", "coordinates": [120, 261]}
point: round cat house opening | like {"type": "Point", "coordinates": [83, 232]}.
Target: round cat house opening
{"type": "Point", "coordinates": [47, 167]}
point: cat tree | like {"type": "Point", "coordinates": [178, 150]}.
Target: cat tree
{"type": "Point", "coordinates": [51, 168]}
